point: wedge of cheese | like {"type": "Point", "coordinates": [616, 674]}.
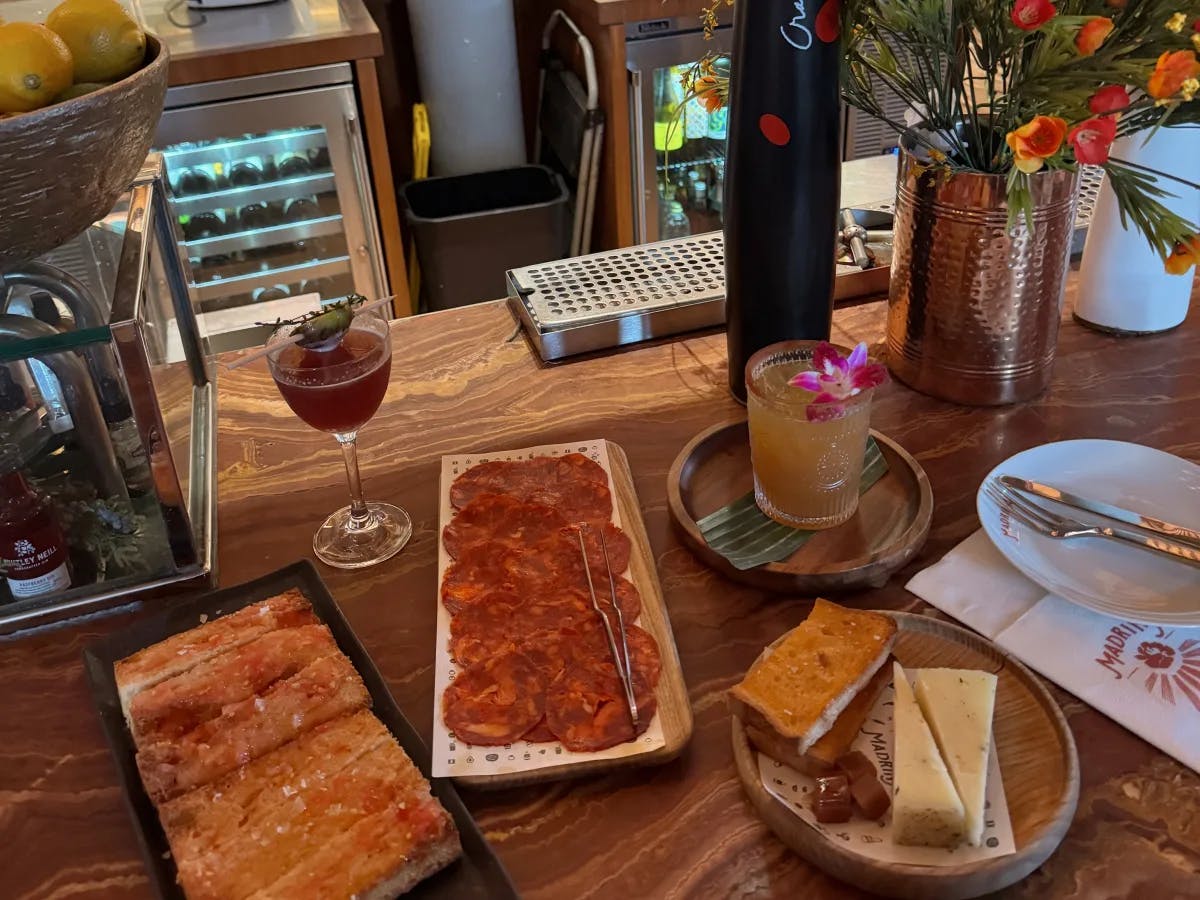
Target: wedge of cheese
{"type": "Point", "coordinates": [958, 705]}
{"type": "Point", "coordinates": [926, 809]}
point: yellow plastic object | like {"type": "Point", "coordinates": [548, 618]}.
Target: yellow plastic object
{"type": "Point", "coordinates": [421, 142]}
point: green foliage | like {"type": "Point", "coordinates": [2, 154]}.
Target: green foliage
{"type": "Point", "coordinates": [970, 76]}
{"type": "Point", "coordinates": [1138, 197]}
{"type": "Point", "coordinates": [109, 531]}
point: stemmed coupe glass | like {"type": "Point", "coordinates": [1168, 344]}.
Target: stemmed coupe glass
{"type": "Point", "coordinates": [336, 384]}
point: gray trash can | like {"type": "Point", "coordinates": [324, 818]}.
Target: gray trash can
{"type": "Point", "coordinates": [470, 229]}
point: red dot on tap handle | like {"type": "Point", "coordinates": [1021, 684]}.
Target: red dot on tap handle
{"type": "Point", "coordinates": [828, 25]}
{"type": "Point", "coordinates": [774, 129]}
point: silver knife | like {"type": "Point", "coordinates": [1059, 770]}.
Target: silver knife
{"type": "Point", "coordinates": [1178, 533]}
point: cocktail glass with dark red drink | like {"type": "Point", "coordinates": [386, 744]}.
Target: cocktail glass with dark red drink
{"type": "Point", "coordinates": [336, 385]}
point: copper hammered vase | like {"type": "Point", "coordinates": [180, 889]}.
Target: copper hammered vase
{"type": "Point", "coordinates": [974, 309]}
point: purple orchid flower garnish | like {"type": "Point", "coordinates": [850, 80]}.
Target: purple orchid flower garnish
{"type": "Point", "coordinates": [836, 378]}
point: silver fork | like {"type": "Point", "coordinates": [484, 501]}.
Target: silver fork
{"type": "Point", "coordinates": [1052, 525]}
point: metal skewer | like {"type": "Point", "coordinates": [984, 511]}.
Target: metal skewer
{"type": "Point", "coordinates": [612, 592]}
{"type": "Point", "coordinates": [622, 670]}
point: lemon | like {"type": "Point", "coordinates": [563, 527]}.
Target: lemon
{"type": "Point", "coordinates": [79, 89]}
{"type": "Point", "coordinates": [35, 66]}
{"type": "Point", "coordinates": [105, 41]}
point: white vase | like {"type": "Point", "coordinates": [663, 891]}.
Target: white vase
{"type": "Point", "coordinates": [1123, 286]}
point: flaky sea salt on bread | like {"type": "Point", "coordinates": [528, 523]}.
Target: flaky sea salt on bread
{"type": "Point", "coordinates": [803, 685]}
{"type": "Point", "coordinates": [336, 813]}
{"type": "Point", "coordinates": [180, 652]}
{"type": "Point", "coordinates": [174, 707]}
{"type": "Point", "coordinates": [205, 817]}
{"type": "Point", "coordinates": [321, 691]}
{"type": "Point", "coordinates": [380, 857]}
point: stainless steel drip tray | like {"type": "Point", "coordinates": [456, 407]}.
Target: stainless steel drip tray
{"type": "Point", "coordinates": [619, 297]}
{"type": "Point", "coordinates": [572, 292]}
{"type": "Point", "coordinates": [621, 329]}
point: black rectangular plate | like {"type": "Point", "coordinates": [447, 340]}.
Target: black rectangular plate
{"type": "Point", "coordinates": [477, 875]}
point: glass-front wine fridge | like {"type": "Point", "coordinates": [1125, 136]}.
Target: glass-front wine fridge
{"type": "Point", "coordinates": [271, 193]}
{"type": "Point", "coordinates": [678, 146]}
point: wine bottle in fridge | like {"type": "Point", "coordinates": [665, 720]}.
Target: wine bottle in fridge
{"type": "Point", "coordinates": [780, 198]}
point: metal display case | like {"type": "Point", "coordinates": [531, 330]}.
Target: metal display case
{"type": "Point", "coordinates": [269, 182]}
{"type": "Point", "coordinates": [107, 420]}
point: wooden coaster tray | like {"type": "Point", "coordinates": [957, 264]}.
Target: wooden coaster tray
{"type": "Point", "coordinates": [889, 528]}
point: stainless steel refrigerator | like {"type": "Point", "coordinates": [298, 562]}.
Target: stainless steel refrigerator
{"type": "Point", "coordinates": [270, 188]}
{"type": "Point", "coordinates": [679, 172]}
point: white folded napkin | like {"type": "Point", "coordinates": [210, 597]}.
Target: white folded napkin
{"type": "Point", "coordinates": [1145, 677]}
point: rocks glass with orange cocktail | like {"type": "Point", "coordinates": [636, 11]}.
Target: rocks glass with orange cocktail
{"type": "Point", "coordinates": [810, 415]}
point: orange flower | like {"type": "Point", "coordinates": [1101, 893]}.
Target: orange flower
{"type": "Point", "coordinates": [706, 92]}
{"type": "Point", "coordinates": [1092, 35]}
{"type": "Point", "coordinates": [1185, 255]}
{"type": "Point", "coordinates": [1171, 71]}
{"type": "Point", "coordinates": [1033, 143]}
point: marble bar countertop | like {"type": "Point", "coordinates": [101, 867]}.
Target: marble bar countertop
{"type": "Point", "coordinates": [466, 380]}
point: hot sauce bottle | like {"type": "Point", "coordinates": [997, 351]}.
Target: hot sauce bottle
{"type": "Point", "coordinates": [33, 548]}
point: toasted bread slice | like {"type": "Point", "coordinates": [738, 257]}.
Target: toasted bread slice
{"type": "Point", "coordinates": [180, 652]}
{"type": "Point", "coordinates": [246, 730]}
{"type": "Point", "coordinates": [837, 740]}
{"type": "Point", "coordinates": [805, 683]}
{"type": "Point", "coordinates": [174, 707]}
{"type": "Point", "coordinates": [231, 850]}
{"type": "Point", "coordinates": [821, 756]}
{"type": "Point", "coordinates": [208, 814]}
{"type": "Point", "coordinates": [382, 855]}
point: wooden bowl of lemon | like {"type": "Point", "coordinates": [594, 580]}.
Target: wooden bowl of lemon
{"type": "Point", "coordinates": [80, 99]}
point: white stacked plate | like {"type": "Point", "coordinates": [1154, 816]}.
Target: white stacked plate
{"type": "Point", "coordinates": [1106, 575]}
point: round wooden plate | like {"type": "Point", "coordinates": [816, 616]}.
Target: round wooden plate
{"type": "Point", "coordinates": [889, 528]}
{"type": "Point", "coordinates": [1038, 763]}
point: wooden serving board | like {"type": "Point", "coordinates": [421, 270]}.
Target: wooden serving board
{"type": "Point", "coordinates": [888, 529]}
{"type": "Point", "coordinates": [674, 707]}
{"type": "Point", "coordinates": [1038, 764]}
